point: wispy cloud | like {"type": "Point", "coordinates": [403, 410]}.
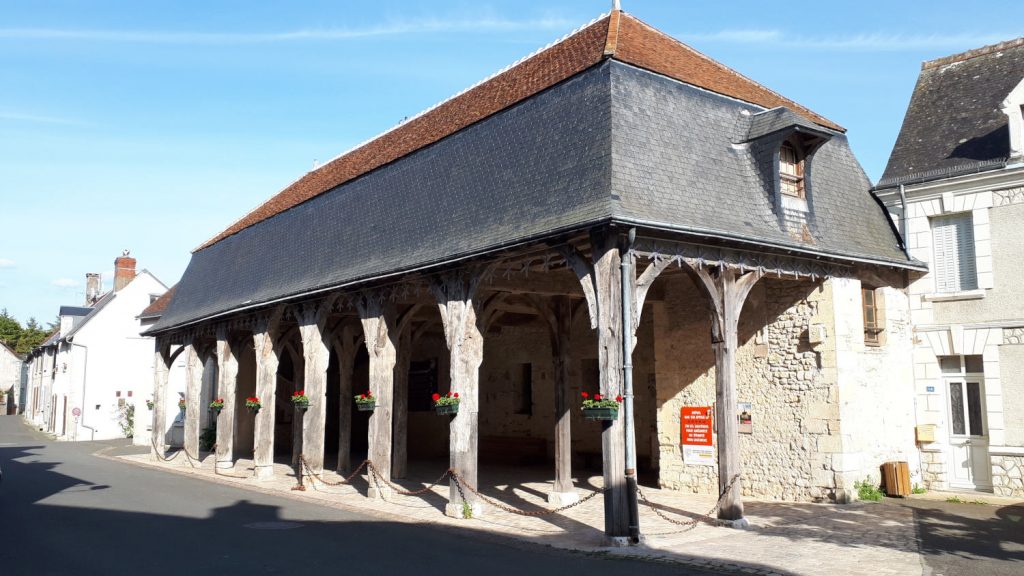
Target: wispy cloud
{"type": "Point", "coordinates": [423, 26]}
{"type": "Point", "coordinates": [37, 119]}
{"type": "Point", "coordinates": [873, 42]}
{"type": "Point", "coordinates": [7, 263]}
{"type": "Point", "coordinates": [64, 283]}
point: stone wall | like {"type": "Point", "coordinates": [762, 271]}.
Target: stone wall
{"type": "Point", "coordinates": [1008, 475]}
{"type": "Point", "coordinates": [933, 470]}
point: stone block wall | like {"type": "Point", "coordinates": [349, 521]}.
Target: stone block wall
{"type": "Point", "coordinates": [1008, 475]}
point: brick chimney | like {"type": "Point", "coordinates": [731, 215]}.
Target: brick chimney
{"type": "Point", "coordinates": [93, 286]}
{"type": "Point", "coordinates": [124, 270]}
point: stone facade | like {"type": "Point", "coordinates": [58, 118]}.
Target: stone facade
{"type": "Point", "coordinates": [933, 469]}
{"type": "Point", "coordinates": [1009, 196]}
{"type": "Point", "coordinates": [1013, 336]}
{"type": "Point", "coordinates": [1008, 476]}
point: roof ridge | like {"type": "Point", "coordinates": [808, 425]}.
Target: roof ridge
{"type": "Point", "coordinates": [972, 53]}
{"type": "Point", "coordinates": [612, 40]}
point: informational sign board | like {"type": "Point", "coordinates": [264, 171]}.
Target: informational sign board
{"type": "Point", "coordinates": [76, 412]}
{"type": "Point", "coordinates": [695, 435]}
{"type": "Point", "coordinates": [746, 421]}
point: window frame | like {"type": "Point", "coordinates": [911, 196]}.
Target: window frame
{"type": "Point", "coordinates": [874, 329]}
{"type": "Point", "coordinates": [961, 262]}
{"type": "Point", "coordinates": [797, 177]}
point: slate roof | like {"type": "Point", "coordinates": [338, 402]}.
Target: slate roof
{"type": "Point", "coordinates": [613, 143]}
{"type": "Point", "coordinates": [954, 124]}
{"type": "Point", "coordinates": [74, 310]}
{"type": "Point", "coordinates": [777, 119]}
{"type": "Point", "coordinates": [617, 35]}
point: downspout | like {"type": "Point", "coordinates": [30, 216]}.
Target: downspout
{"type": "Point", "coordinates": [85, 365]}
{"type": "Point", "coordinates": [627, 386]}
{"type": "Point", "coordinates": [903, 216]}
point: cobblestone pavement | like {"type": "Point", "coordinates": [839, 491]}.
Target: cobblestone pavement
{"type": "Point", "coordinates": [784, 538]}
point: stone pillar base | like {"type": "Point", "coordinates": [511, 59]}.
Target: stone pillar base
{"type": "Point", "coordinates": [264, 472]}
{"type": "Point", "coordinates": [455, 510]}
{"type": "Point", "coordinates": [225, 464]}
{"type": "Point", "coordinates": [559, 499]}
{"type": "Point", "coordinates": [616, 541]}
{"type": "Point", "coordinates": [740, 524]}
{"type": "Point", "coordinates": [379, 492]}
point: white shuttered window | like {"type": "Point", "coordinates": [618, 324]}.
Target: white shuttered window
{"type": "Point", "coordinates": [954, 267]}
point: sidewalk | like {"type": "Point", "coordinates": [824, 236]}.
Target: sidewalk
{"type": "Point", "coordinates": [784, 538]}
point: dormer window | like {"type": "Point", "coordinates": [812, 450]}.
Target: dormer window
{"type": "Point", "coordinates": [791, 170]}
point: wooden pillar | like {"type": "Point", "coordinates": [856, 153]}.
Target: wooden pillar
{"type": "Point", "coordinates": [194, 397]}
{"type": "Point", "coordinates": [227, 371]}
{"type": "Point", "coordinates": [459, 313]}
{"type": "Point", "coordinates": [161, 369]}
{"type": "Point", "coordinates": [380, 334]}
{"type": "Point", "coordinates": [601, 282]}
{"type": "Point", "coordinates": [346, 345]}
{"type": "Point", "coordinates": [727, 290]}
{"type": "Point", "coordinates": [400, 437]}
{"type": "Point", "coordinates": [312, 320]}
{"type": "Point", "coordinates": [209, 385]}
{"type": "Point", "coordinates": [268, 355]}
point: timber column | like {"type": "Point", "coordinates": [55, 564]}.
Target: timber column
{"type": "Point", "coordinates": [267, 359]}
{"type": "Point", "coordinates": [459, 314]}
{"type": "Point", "coordinates": [346, 345]}
{"type": "Point", "coordinates": [194, 397]}
{"type": "Point", "coordinates": [161, 369]}
{"type": "Point", "coordinates": [380, 333]}
{"type": "Point", "coordinates": [727, 290]}
{"type": "Point", "coordinates": [227, 370]}
{"type": "Point", "coordinates": [312, 321]}
{"type": "Point", "coordinates": [601, 280]}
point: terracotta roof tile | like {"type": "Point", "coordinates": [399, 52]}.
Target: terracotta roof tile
{"type": "Point", "coordinates": [159, 305]}
{"type": "Point", "coordinates": [617, 35]}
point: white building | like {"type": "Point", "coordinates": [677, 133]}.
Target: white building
{"type": "Point", "coordinates": [86, 379]}
{"type": "Point", "coordinates": [10, 379]}
{"type": "Point", "coordinates": [955, 186]}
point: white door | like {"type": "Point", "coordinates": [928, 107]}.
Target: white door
{"type": "Point", "coordinates": [970, 467]}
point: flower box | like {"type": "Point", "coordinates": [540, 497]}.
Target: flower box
{"type": "Point", "coordinates": [447, 409]}
{"type": "Point", "coordinates": [600, 413]}
{"type": "Point", "coordinates": [217, 405]}
{"type": "Point", "coordinates": [181, 405]}
{"type": "Point", "coordinates": [365, 402]}
{"type": "Point", "coordinates": [299, 400]}
{"type": "Point", "coordinates": [253, 404]}
{"type": "Point", "coordinates": [446, 405]}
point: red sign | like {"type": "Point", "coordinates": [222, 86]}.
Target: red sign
{"type": "Point", "coordinates": [695, 425]}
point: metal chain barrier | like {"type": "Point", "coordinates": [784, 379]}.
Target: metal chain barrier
{"type": "Point", "coordinates": [691, 523]}
{"type": "Point", "coordinates": [459, 482]}
{"type": "Point", "coordinates": [305, 470]}
{"type": "Point", "coordinates": [377, 478]}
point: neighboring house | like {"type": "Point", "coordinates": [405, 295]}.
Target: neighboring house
{"type": "Point", "coordinates": [10, 379]}
{"type": "Point", "coordinates": [173, 432]}
{"type": "Point", "coordinates": [86, 376]}
{"type": "Point", "coordinates": [955, 186]}
{"type": "Point", "coordinates": [617, 163]}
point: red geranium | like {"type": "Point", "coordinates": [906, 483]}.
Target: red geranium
{"type": "Point", "coordinates": [436, 397]}
{"type": "Point", "coordinates": [597, 396]}
{"type": "Point", "coordinates": [456, 395]}
{"type": "Point", "coordinates": [584, 394]}
{"type": "Point", "coordinates": [618, 398]}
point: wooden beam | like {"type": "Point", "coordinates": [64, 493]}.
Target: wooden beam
{"type": "Point", "coordinates": [227, 369]}
{"type": "Point", "coordinates": [268, 356]}
{"type": "Point", "coordinates": [727, 291]}
{"type": "Point", "coordinates": [346, 346]}
{"type": "Point", "coordinates": [461, 316]}
{"type": "Point", "coordinates": [380, 332]}
{"type": "Point", "coordinates": [312, 321]}
{"type": "Point", "coordinates": [193, 396]}
{"type": "Point", "coordinates": [161, 370]}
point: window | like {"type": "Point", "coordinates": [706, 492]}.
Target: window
{"type": "Point", "coordinates": [954, 267]}
{"type": "Point", "coordinates": [791, 170]}
{"type": "Point", "coordinates": [874, 323]}
{"type": "Point", "coordinates": [963, 375]}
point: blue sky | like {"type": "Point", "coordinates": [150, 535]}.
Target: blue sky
{"type": "Point", "coordinates": [154, 125]}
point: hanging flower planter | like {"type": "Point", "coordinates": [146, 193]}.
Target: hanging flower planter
{"type": "Point", "coordinates": [253, 404]}
{"type": "Point", "coordinates": [217, 405]}
{"type": "Point", "coordinates": [366, 402]}
{"type": "Point", "coordinates": [446, 405]}
{"type": "Point", "coordinates": [600, 408]}
{"type": "Point", "coordinates": [181, 405]}
{"type": "Point", "coordinates": [149, 404]}
{"type": "Point", "coordinates": [300, 400]}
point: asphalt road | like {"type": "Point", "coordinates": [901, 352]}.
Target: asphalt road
{"type": "Point", "coordinates": [65, 511]}
{"type": "Point", "coordinates": [968, 539]}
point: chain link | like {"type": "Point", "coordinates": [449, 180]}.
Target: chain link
{"type": "Point", "coordinates": [691, 523]}
{"type": "Point", "coordinates": [377, 478]}
{"type": "Point", "coordinates": [305, 470]}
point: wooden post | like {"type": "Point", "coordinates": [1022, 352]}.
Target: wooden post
{"type": "Point", "coordinates": [346, 345]}
{"type": "Point", "coordinates": [268, 355]}
{"type": "Point", "coordinates": [727, 290]}
{"type": "Point", "coordinates": [380, 334]}
{"type": "Point", "coordinates": [161, 369]}
{"type": "Point", "coordinates": [227, 370]}
{"type": "Point", "coordinates": [312, 320]}
{"type": "Point", "coordinates": [459, 314]}
{"type": "Point", "coordinates": [601, 282]}
{"type": "Point", "coordinates": [400, 438]}
{"type": "Point", "coordinates": [209, 384]}
{"type": "Point", "coordinates": [194, 396]}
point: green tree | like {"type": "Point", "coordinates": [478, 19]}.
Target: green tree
{"type": "Point", "coordinates": [31, 336]}
{"type": "Point", "coordinates": [10, 329]}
